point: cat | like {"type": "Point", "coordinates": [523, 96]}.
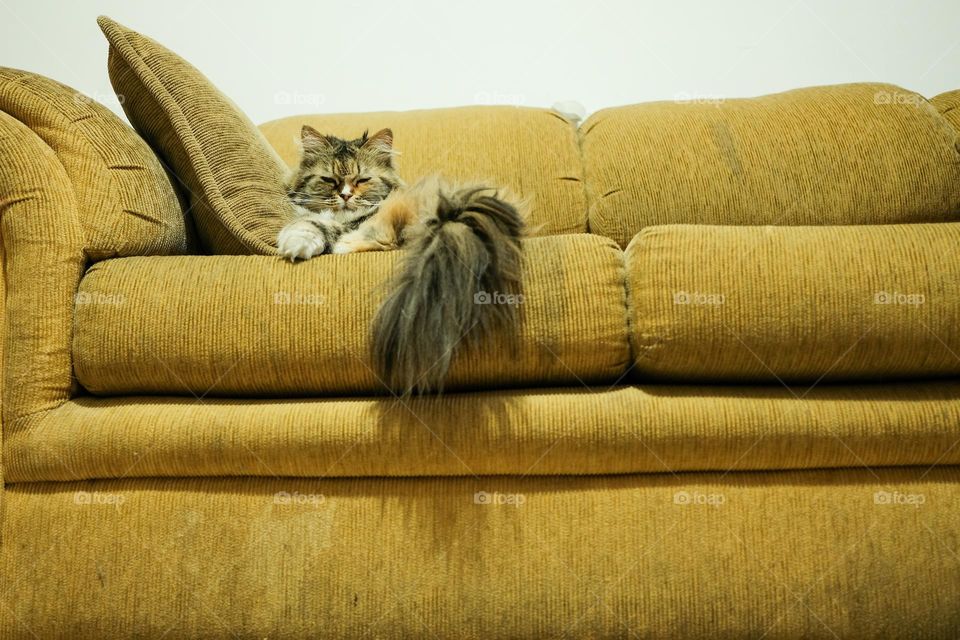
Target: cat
{"type": "Point", "coordinates": [462, 244]}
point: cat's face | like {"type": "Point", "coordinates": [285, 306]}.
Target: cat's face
{"type": "Point", "coordinates": [343, 175]}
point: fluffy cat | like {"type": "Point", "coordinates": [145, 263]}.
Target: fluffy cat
{"type": "Point", "coordinates": [462, 244]}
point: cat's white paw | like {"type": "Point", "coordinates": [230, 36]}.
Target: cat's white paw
{"type": "Point", "coordinates": [341, 248]}
{"type": "Point", "coordinates": [300, 240]}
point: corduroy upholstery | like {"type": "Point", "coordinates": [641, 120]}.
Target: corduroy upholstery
{"type": "Point", "coordinates": [233, 177]}
{"type": "Point", "coordinates": [601, 508]}
{"type": "Point", "coordinates": [76, 185]}
{"type": "Point", "coordinates": [844, 154]}
{"type": "Point", "coordinates": [261, 326]}
{"type": "Point", "coordinates": [3, 365]}
{"type": "Point", "coordinates": [44, 259]}
{"type": "Point", "coordinates": [795, 304]}
{"type": "Point", "coordinates": [533, 152]}
{"type": "Point", "coordinates": [947, 104]}
{"type": "Point", "coordinates": [567, 431]}
{"type": "Point", "coordinates": [813, 554]}
{"type": "Point", "coordinates": [126, 203]}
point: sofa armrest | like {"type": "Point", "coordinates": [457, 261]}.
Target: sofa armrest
{"type": "Point", "coordinates": [125, 200]}
{"type": "Point", "coordinates": [43, 247]}
{"type": "Point", "coordinates": [77, 185]}
{"type": "Point", "coordinates": [41, 244]}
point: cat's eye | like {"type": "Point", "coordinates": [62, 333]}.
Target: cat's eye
{"type": "Point", "coordinates": [329, 180]}
{"type": "Point", "coordinates": [362, 180]}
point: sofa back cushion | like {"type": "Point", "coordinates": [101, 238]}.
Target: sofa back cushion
{"type": "Point", "coordinates": [532, 152]}
{"type": "Point", "coordinates": [844, 154]}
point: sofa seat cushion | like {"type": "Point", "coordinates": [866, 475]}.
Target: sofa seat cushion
{"type": "Point", "coordinates": [795, 304]}
{"type": "Point", "coordinates": [256, 325]}
{"type": "Point", "coordinates": [845, 154]}
{"type": "Point", "coordinates": [579, 430]}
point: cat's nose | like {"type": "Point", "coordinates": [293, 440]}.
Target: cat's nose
{"type": "Point", "coordinates": [346, 195]}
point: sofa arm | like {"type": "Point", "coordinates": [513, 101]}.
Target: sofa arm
{"type": "Point", "coordinates": [125, 200]}
{"type": "Point", "coordinates": [77, 184]}
{"type": "Point", "coordinates": [43, 248]}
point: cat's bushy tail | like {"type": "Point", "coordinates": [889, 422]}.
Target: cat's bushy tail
{"type": "Point", "coordinates": [458, 283]}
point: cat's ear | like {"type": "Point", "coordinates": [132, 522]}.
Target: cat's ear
{"type": "Point", "coordinates": [381, 141]}
{"type": "Point", "coordinates": [312, 140]}
{"type": "Point", "coordinates": [380, 145]}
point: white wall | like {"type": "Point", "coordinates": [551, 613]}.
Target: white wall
{"type": "Point", "coordinates": [282, 58]}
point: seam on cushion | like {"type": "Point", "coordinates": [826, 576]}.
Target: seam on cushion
{"type": "Point", "coordinates": [941, 114]}
{"type": "Point", "coordinates": [628, 324]}
{"type": "Point", "coordinates": [934, 101]}
{"type": "Point", "coordinates": [587, 190]}
{"type": "Point", "coordinates": [125, 49]}
{"type": "Point", "coordinates": [628, 362]}
{"type": "Point", "coordinates": [950, 120]}
{"type": "Point", "coordinates": [593, 200]}
{"type": "Point", "coordinates": [631, 309]}
{"type": "Point", "coordinates": [639, 352]}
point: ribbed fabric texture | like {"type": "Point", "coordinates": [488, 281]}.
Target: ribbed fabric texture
{"type": "Point", "coordinates": [795, 304]}
{"type": "Point", "coordinates": [509, 548]}
{"type": "Point", "coordinates": [570, 431]}
{"type": "Point", "coordinates": [235, 180]}
{"type": "Point", "coordinates": [3, 362]}
{"type": "Point", "coordinates": [782, 555]}
{"type": "Point", "coordinates": [255, 326]}
{"type": "Point", "coordinates": [948, 104]}
{"type": "Point", "coordinates": [532, 152]}
{"type": "Point", "coordinates": [125, 200]}
{"type": "Point", "coordinates": [845, 154]}
{"type": "Point", "coordinates": [44, 258]}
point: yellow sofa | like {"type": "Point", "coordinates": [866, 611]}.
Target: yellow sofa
{"type": "Point", "coordinates": [733, 409]}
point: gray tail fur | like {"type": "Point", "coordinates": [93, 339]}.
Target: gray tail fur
{"type": "Point", "coordinates": [449, 289]}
